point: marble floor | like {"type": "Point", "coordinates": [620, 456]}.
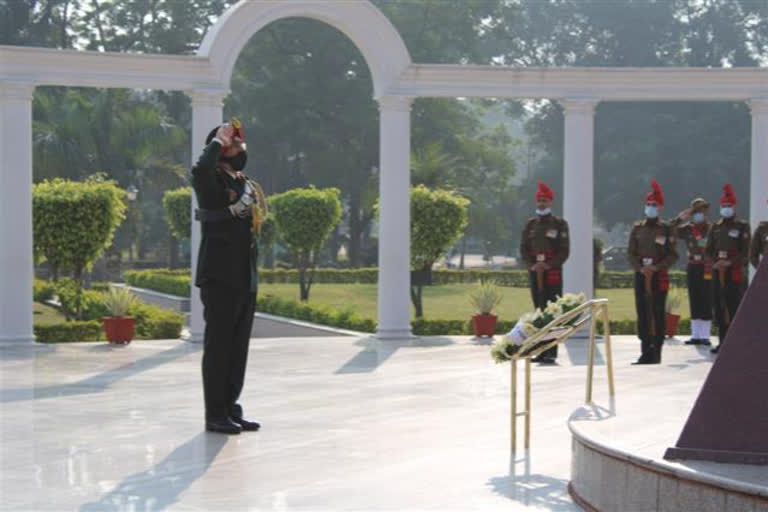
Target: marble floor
{"type": "Point", "coordinates": [348, 424]}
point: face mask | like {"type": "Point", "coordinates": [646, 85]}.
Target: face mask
{"type": "Point", "coordinates": [238, 161]}
{"type": "Point", "coordinates": [651, 212]}
{"type": "Point", "coordinates": [698, 218]}
{"type": "Point", "coordinates": [543, 211]}
{"type": "Point", "coordinates": [726, 211]}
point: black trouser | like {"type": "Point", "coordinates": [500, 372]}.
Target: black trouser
{"type": "Point", "coordinates": [651, 318]}
{"type": "Point", "coordinates": [699, 292]}
{"type": "Point", "coordinates": [727, 301]}
{"type": "Point", "coordinates": [541, 297]}
{"type": "Point", "coordinates": [228, 314]}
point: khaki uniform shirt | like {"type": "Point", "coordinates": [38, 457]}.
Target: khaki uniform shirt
{"type": "Point", "coordinates": [729, 240]}
{"type": "Point", "coordinates": [695, 238]}
{"type": "Point", "coordinates": [545, 238]}
{"type": "Point", "coordinates": [652, 242]}
{"type": "Point", "coordinates": [759, 246]}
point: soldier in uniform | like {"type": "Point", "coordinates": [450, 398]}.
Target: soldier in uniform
{"type": "Point", "coordinates": [728, 247]}
{"type": "Point", "coordinates": [759, 246]}
{"type": "Point", "coordinates": [544, 247]}
{"type": "Point", "coordinates": [692, 227]}
{"type": "Point", "coordinates": [651, 252]}
{"type": "Point", "coordinates": [226, 272]}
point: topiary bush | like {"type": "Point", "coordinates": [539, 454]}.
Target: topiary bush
{"type": "Point", "coordinates": [305, 217]}
{"type": "Point", "coordinates": [74, 222]}
{"type": "Point", "coordinates": [178, 211]}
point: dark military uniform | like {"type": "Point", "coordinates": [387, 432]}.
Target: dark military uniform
{"type": "Point", "coordinates": [651, 242]}
{"type": "Point", "coordinates": [759, 246]}
{"type": "Point", "coordinates": [226, 276]}
{"type": "Point", "coordinates": [699, 269]}
{"type": "Point", "coordinates": [545, 239]}
{"type": "Point", "coordinates": [728, 240]}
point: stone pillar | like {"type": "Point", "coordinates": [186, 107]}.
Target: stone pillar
{"type": "Point", "coordinates": [207, 106]}
{"type": "Point", "coordinates": [578, 193]}
{"type": "Point", "coordinates": [16, 257]}
{"type": "Point", "coordinates": [758, 177]}
{"type": "Point", "coordinates": [394, 305]}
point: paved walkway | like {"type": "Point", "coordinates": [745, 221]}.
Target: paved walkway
{"type": "Point", "coordinates": [349, 424]}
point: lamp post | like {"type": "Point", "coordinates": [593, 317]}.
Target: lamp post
{"type": "Point", "coordinates": [131, 193]}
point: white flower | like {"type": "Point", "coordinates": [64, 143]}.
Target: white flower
{"type": "Point", "coordinates": [554, 309]}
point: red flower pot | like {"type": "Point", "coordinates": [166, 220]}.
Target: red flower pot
{"type": "Point", "coordinates": [672, 321]}
{"type": "Point", "coordinates": [119, 329]}
{"type": "Point", "coordinates": [485, 325]}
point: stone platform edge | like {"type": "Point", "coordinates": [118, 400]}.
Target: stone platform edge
{"type": "Point", "coordinates": [605, 478]}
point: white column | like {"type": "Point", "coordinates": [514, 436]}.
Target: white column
{"type": "Point", "coordinates": [394, 302]}
{"type": "Point", "coordinates": [207, 106]}
{"type": "Point", "coordinates": [578, 193]}
{"type": "Point", "coordinates": [16, 259]}
{"type": "Point", "coordinates": [758, 177]}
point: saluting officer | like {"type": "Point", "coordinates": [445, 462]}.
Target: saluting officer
{"type": "Point", "coordinates": [728, 247]}
{"type": "Point", "coordinates": [651, 252]}
{"type": "Point", "coordinates": [759, 246]}
{"type": "Point", "coordinates": [544, 247]}
{"type": "Point", "coordinates": [692, 228]}
{"type": "Point", "coordinates": [226, 273]}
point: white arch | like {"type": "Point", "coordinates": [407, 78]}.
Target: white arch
{"type": "Point", "coordinates": [371, 31]}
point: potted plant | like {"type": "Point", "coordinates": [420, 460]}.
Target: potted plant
{"type": "Point", "coordinates": [485, 298]}
{"type": "Point", "coordinates": [119, 326]}
{"type": "Point", "coordinates": [672, 308]}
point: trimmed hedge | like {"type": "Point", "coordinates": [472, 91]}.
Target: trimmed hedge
{"type": "Point", "coordinates": [66, 332]}
{"type": "Point", "coordinates": [157, 279]}
{"type": "Point", "coordinates": [154, 323]}
{"type": "Point", "coordinates": [172, 282]}
{"type": "Point", "coordinates": [346, 319]}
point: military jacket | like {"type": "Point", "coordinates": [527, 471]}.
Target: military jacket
{"type": "Point", "coordinates": [652, 242]}
{"type": "Point", "coordinates": [545, 239]}
{"type": "Point", "coordinates": [759, 245]}
{"type": "Point", "coordinates": [695, 238]}
{"type": "Point", "coordinates": [728, 239]}
{"type": "Point", "coordinates": [228, 250]}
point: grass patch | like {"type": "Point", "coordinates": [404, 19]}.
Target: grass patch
{"type": "Point", "coordinates": [446, 302]}
{"type": "Point", "coordinates": [46, 315]}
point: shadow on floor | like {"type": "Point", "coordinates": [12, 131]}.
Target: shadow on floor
{"type": "Point", "coordinates": [159, 487]}
{"type": "Point", "coordinates": [534, 490]}
{"type": "Point", "coordinates": [376, 352]}
{"type": "Point", "coordinates": [101, 381]}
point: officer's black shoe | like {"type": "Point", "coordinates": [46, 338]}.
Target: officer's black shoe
{"type": "Point", "coordinates": [250, 426]}
{"type": "Point", "coordinates": [643, 360]}
{"type": "Point", "coordinates": [693, 341]}
{"type": "Point", "coordinates": [715, 350]}
{"type": "Point", "coordinates": [223, 426]}
{"type": "Point", "coordinates": [706, 342]}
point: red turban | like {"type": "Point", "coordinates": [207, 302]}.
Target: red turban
{"type": "Point", "coordinates": [544, 192]}
{"type": "Point", "coordinates": [728, 196]}
{"type": "Point", "coordinates": [656, 195]}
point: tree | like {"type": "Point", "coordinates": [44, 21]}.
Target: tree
{"type": "Point", "coordinates": [178, 206]}
{"type": "Point", "coordinates": [438, 218]}
{"type": "Point", "coordinates": [304, 218]}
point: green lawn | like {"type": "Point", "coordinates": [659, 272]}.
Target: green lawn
{"type": "Point", "coordinates": [445, 302]}
{"type": "Point", "coordinates": [45, 315]}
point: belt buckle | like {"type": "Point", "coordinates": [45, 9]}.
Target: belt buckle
{"type": "Point", "coordinates": [541, 257]}
{"type": "Point", "coordinates": [697, 257]}
{"type": "Point", "coordinates": [647, 262]}
{"type": "Point", "coordinates": [722, 254]}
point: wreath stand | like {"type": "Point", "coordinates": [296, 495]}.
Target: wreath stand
{"type": "Point", "coordinates": [556, 332]}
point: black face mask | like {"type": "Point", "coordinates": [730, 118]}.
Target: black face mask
{"type": "Point", "coordinates": [237, 162]}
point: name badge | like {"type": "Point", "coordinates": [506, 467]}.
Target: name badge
{"type": "Point", "coordinates": [702, 242]}
{"type": "Point", "coordinates": [734, 233]}
{"type": "Point", "coordinates": [647, 262]}
{"type": "Point", "coordinates": [552, 233]}
{"type": "Point", "coordinates": [541, 257]}
{"type": "Point", "coordinates": [697, 257]}
{"type": "Point", "coordinates": [661, 240]}
{"type": "Point", "coordinates": [722, 254]}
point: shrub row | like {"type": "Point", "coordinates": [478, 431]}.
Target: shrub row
{"type": "Point", "coordinates": [43, 290]}
{"type": "Point", "coordinates": [176, 282]}
{"type": "Point", "coordinates": [69, 331]}
{"type": "Point", "coordinates": [151, 322]}
{"type": "Point", "coordinates": [346, 319]}
{"type": "Point", "coordinates": [172, 282]}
